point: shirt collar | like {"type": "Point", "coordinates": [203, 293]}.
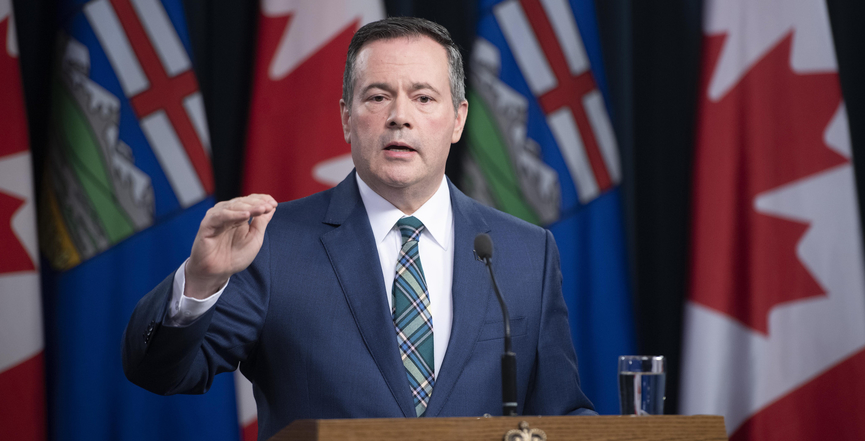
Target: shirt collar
{"type": "Point", "coordinates": [436, 213]}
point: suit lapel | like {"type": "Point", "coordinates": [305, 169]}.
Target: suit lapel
{"type": "Point", "coordinates": [352, 252]}
{"type": "Point", "coordinates": [471, 291]}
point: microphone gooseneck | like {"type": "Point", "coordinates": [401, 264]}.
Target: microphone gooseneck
{"type": "Point", "coordinates": [484, 251]}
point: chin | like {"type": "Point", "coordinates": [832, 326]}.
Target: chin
{"type": "Point", "coordinates": [398, 182]}
{"type": "Point", "coordinates": [398, 178]}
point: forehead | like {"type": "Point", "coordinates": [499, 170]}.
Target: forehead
{"type": "Point", "coordinates": [420, 57]}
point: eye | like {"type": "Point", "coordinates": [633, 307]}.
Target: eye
{"type": "Point", "coordinates": [424, 99]}
{"type": "Point", "coordinates": [377, 98]}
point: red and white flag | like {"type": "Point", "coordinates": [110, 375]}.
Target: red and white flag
{"type": "Point", "coordinates": [775, 320]}
{"type": "Point", "coordinates": [22, 379]}
{"type": "Point", "coordinates": [294, 144]}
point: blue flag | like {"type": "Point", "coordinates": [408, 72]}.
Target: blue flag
{"type": "Point", "coordinates": [541, 147]}
{"type": "Point", "coordinates": [127, 180]}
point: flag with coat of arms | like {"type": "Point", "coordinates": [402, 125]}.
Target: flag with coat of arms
{"type": "Point", "coordinates": [541, 147]}
{"type": "Point", "coordinates": [127, 179]}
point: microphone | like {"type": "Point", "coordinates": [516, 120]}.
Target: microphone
{"type": "Point", "coordinates": [484, 251]}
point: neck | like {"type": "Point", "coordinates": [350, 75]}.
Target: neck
{"type": "Point", "coordinates": [406, 199]}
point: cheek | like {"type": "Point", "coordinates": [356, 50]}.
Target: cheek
{"type": "Point", "coordinates": [367, 125]}
{"type": "Point", "coordinates": [444, 129]}
{"type": "Point", "coordinates": [360, 132]}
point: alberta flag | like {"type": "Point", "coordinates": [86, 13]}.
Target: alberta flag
{"type": "Point", "coordinates": [541, 147]}
{"type": "Point", "coordinates": [127, 179]}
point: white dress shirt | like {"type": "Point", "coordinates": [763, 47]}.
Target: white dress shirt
{"type": "Point", "coordinates": [436, 247]}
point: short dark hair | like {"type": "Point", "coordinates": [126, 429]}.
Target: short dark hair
{"type": "Point", "coordinates": [396, 27]}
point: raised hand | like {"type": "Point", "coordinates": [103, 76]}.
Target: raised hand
{"type": "Point", "coordinates": [227, 242]}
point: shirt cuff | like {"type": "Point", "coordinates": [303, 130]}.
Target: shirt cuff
{"type": "Point", "coordinates": [184, 310]}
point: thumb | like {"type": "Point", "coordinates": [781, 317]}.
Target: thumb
{"type": "Point", "coordinates": [259, 223]}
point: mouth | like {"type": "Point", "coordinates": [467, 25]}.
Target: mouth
{"type": "Point", "coordinates": [399, 147]}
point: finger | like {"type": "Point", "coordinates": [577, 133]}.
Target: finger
{"type": "Point", "coordinates": [220, 219]}
{"type": "Point", "coordinates": [242, 204]}
{"type": "Point", "coordinates": [258, 210]}
{"type": "Point", "coordinates": [259, 223]}
{"type": "Point", "coordinates": [266, 203]}
{"type": "Point", "coordinates": [230, 210]}
{"type": "Point", "coordinates": [256, 204]}
{"type": "Point", "coordinates": [241, 208]}
{"type": "Point", "coordinates": [237, 212]}
{"type": "Point", "coordinates": [258, 198]}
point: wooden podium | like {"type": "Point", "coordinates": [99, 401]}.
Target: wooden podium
{"type": "Point", "coordinates": [602, 428]}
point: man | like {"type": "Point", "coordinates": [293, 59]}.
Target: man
{"type": "Point", "coordinates": [314, 311]}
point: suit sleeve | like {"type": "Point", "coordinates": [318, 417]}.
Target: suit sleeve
{"type": "Point", "coordinates": [555, 385]}
{"type": "Point", "coordinates": [169, 360]}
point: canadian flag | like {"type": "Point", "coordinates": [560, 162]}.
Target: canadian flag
{"type": "Point", "coordinates": [775, 320]}
{"type": "Point", "coordinates": [22, 379]}
{"type": "Point", "coordinates": [294, 144]}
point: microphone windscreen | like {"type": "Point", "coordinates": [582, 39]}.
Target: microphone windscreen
{"type": "Point", "coordinates": [484, 246]}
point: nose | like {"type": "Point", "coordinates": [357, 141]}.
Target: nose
{"type": "Point", "coordinates": [400, 113]}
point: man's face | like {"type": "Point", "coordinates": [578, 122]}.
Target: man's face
{"type": "Point", "coordinates": [402, 120]}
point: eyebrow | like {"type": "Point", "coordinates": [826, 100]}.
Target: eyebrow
{"type": "Point", "coordinates": [387, 88]}
{"type": "Point", "coordinates": [381, 86]}
{"type": "Point", "coordinates": [420, 86]}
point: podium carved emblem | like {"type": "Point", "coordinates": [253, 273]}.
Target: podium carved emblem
{"type": "Point", "coordinates": [525, 434]}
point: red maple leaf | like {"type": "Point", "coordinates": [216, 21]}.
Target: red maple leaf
{"type": "Point", "coordinates": [765, 132]}
{"type": "Point", "coordinates": [14, 257]}
{"type": "Point", "coordinates": [13, 124]}
{"type": "Point", "coordinates": [294, 122]}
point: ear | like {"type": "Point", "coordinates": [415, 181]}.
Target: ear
{"type": "Point", "coordinates": [462, 113]}
{"type": "Point", "coordinates": [345, 115]}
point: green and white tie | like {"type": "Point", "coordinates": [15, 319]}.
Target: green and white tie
{"type": "Point", "coordinates": [411, 315]}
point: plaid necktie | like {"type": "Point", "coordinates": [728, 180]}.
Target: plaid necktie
{"type": "Point", "coordinates": [411, 315]}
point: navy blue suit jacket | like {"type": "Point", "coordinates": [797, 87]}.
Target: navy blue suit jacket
{"type": "Point", "coordinates": [308, 322]}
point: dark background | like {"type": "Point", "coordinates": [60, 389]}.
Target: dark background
{"type": "Point", "coordinates": [652, 55]}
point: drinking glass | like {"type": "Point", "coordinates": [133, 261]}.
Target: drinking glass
{"type": "Point", "coordinates": [642, 379]}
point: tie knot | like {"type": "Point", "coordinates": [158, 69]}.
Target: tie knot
{"type": "Point", "coordinates": [410, 228]}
